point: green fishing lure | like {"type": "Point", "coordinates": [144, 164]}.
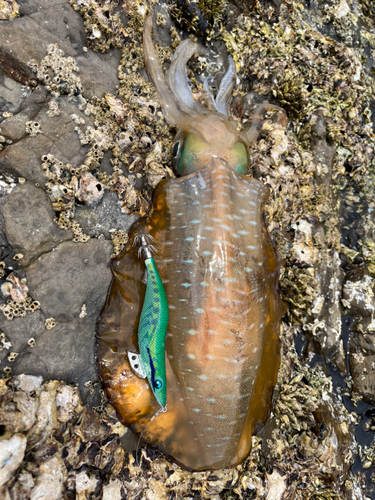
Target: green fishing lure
{"type": "Point", "coordinates": [152, 329]}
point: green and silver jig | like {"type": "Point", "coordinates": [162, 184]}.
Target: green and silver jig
{"type": "Point", "coordinates": [152, 329]}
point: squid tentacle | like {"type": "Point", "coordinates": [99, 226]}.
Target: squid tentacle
{"type": "Point", "coordinates": [224, 93]}
{"type": "Point", "coordinates": [174, 91]}
{"type": "Point", "coordinates": [167, 100]}
{"type": "Point", "coordinates": [177, 76]}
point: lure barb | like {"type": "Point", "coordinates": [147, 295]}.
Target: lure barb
{"type": "Point", "coordinates": [152, 329]}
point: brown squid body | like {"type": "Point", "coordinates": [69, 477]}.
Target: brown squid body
{"type": "Point", "coordinates": [220, 271]}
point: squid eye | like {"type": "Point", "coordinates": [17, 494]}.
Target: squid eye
{"type": "Point", "coordinates": [241, 158]}
{"type": "Point", "coordinates": [158, 384]}
{"type": "Point", "coordinates": [191, 154]}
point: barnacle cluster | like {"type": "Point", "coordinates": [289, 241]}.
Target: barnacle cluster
{"type": "Point", "coordinates": [202, 17]}
{"type": "Point", "coordinates": [119, 240]}
{"type": "Point", "coordinates": [130, 125]}
{"type": "Point", "coordinates": [15, 287]}
{"type": "Point", "coordinates": [9, 9]}
{"type": "Point", "coordinates": [103, 25]}
{"type": "Point", "coordinates": [33, 128]}
{"type": "Point", "coordinates": [50, 323]}
{"type": "Point", "coordinates": [57, 72]}
{"type": "Point", "coordinates": [84, 446]}
{"type": "Point", "coordinates": [12, 309]}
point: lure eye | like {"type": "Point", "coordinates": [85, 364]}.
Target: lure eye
{"type": "Point", "coordinates": [158, 384]}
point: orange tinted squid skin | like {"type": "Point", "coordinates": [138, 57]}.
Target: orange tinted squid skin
{"type": "Point", "coordinates": [220, 272]}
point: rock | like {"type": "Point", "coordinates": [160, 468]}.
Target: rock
{"type": "Point", "coordinates": [58, 137]}
{"type": "Point", "coordinates": [358, 294]}
{"type": "Point", "coordinates": [14, 128]}
{"type": "Point", "coordinates": [64, 280]}
{"type": "Point", "coordinates": [35, 233]}
{"type": "Point", "coordinates": [27, 39]}
{"type": "Point", "coordinates": [12, 452]}
{"type": "Point", "coordinates": [106, 216]}
{"type": "Point", "coordinates": [98, 72]}
{"type": "Point", "coordinates": [20, 330]}
{"type": "Point", "coordinates": [23, 158]}
{"type": "Point", "coordinates": [71, 275]}
{"type": "Point", "coordinates": [11, 95]}
{"type": "Point", "coordinates": [67, 352]}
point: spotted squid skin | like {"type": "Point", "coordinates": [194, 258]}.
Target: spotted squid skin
{"type": "Point", "coordinates": [219, 269]}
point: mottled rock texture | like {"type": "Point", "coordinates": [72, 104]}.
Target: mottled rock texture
{"type": "Point", "coordinates": [68, 279]}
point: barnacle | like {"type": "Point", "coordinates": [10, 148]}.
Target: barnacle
{"type": "Point", "coordinates": [50, 323]}
{"type": "Point", "coordinates": [9, 9]}
{"type": "Point", "coordinates": [33, 128]}
{"type": "Point", "coordinates": [2, 267]}
{"type": "Point", "coordinates": [31, 342]}
{"type": "Point", "coordinates": [290, 93]}
{"type": "Point", "coordinates": [53, 109]}
{"type": "Point", "coordinates": [203, 17]}
{"type": "Point", "coordinates": [119, 240]}
{"type": "Point", "coordinates": [103, 25]}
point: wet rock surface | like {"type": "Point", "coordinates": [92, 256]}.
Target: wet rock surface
{"type": "Point", "coordinates": [94, 121]}
{"type": "Point", "coordinates": [66, 281]}
{"type": "Point", "coordinates": [28, 223]}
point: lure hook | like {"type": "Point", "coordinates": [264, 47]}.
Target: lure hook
{"type": "Point", "coordinates": [144, 240]}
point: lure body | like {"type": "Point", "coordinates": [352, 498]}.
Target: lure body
{"type": "Point", "coordinates": [152, 331]}
{"type": "Point", "coordinates": [219, 270]}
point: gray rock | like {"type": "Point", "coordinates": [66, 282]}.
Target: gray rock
{"type": "Point", "coordinates": [29, 222]}
{"type": "Point", "coordinates": [70, 276]}
{"type": "Point", "coordinates": [26, 39]}
{"type": "Point", "coordinates": [11, 95]}
{"type": "Point", "coordinates": [14, 128]}
{"type": "Point", "coordinates": [63, 276]}
{"type": "Point", "coordinates": [57, 137]}
{"type": "Point", "coordinates": [63, 280]}
{"type": "Point", "coordinates": [20, 330]}
{"type": "Point", "coordinates": [61, 21]}
{"type": "Point", "coordinates": [98, 72]}
{"type": "Point", "coordinates": [66, 352]}
{"type": "Point", "coordinates": [107, 215]}
{"type": "Point", "coordinates": [23, 158]}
